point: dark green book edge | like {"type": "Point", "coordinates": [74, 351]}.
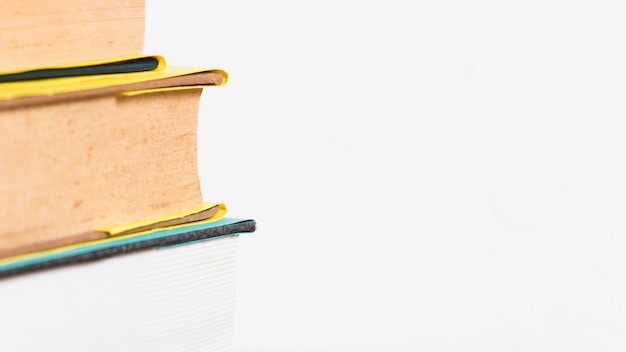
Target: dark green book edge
{"type": "Point", "coordinates": [127, 244]}
{"type": "Point", "coordinates": [125, 66]}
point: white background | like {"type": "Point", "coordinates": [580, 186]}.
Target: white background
{"type": "Point", "coordinates": [426, 175]}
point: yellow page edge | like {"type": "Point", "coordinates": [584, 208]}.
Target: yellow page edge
{"type": "Point", "coordinates": [132, 93]}
{"type": "Point", "coordinates": [116, 229]}
{"type": "Point", "coordinates": [52, 86]}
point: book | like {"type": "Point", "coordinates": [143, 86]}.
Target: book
{"type": "Point", "coordinates": [161, 290]}
{"type": "Point", "coordinates": [107, 243]}
{"type": "Point", "coordinates": [38, 33]}
{"type": "Point", "coordinates": [83, 152]}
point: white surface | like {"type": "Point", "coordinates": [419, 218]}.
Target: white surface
{"type": "Point", "coordinates": [459, 187]}
{"type": "Point", "coordinates": [179, 298]}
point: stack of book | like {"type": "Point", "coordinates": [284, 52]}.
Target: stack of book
{"type": "Point", "coordinates": [106, 241]}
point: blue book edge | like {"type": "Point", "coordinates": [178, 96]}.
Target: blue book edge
{"type": "Point", "coordinates": [100, 249]}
